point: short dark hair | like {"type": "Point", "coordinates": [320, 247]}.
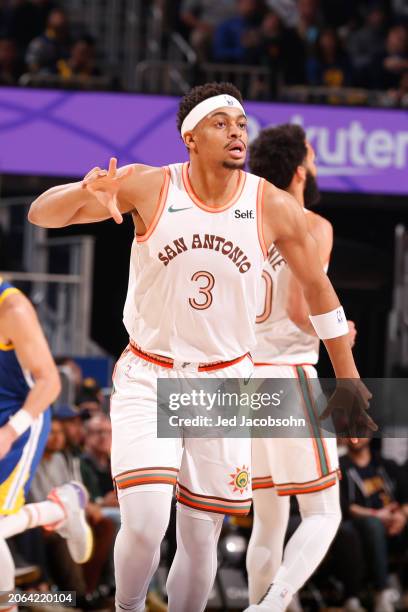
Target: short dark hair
{"type": "Point", "coordinates": [277, 152]}
{"type": "Point", "coordinates": [202, 92]}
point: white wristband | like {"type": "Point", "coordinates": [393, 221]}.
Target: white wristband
{"type": "Point", "coordinates": [21, 421]}
{"type": "Point", "coordinates": [330, 324]}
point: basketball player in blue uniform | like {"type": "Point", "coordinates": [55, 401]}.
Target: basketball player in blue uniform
{"type": "Point", "coordinates": [29, 383]}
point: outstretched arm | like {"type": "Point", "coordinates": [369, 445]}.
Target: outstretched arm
{"type": "Point", "coordinates": [102, 194]}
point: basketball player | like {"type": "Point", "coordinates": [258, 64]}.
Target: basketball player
{"type": "Point", "coordinates": [287, 346]}
{"type": "Point", "coordinates": [201, 233]}
{"type": "Point", "coordinates": [29, 382]}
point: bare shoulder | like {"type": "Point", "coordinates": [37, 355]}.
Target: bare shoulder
{"type": "Point", "coordinates": [319, 226]}
{"type": "Point", "coordinates": [283, 217]}
{"type": "Point", "coordinates": [17, 316]}
{"type": "Point", "coordinates": [142, 187]}
{"type": "Point", "coordinates": [16, 308]}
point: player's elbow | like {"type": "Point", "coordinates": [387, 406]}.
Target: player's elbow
{"type": "Point", "coordinates": [298, 316]}
{"type": "Point", "coordinates": [34, 215]}
{"type": "Point", "coordinates": [54, 385]}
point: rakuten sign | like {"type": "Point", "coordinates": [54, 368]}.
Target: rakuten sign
{"type": "Point", "coordinates": [357, 149]}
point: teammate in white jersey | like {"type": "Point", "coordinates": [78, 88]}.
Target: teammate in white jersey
{"type": "Point", "coordinates": [287, 346]}
{"type": "Point", "coordinates": [201, 235]}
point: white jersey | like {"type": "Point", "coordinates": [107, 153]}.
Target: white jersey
{"type": "Point", "coordinates": [278, 339]}
{"type": "Point", "coordinates": [194, 275]}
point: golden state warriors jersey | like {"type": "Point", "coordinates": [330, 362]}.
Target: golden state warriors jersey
{"type": "Point", "coordinates": [194, 275]}
{"type": "Point", "coordinates": [14, 382]}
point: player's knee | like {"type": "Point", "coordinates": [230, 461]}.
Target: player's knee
{"type": "Point", "coordinates": [323, 506]}
{"type": "Point", "coordinates": [142, 521]}
{"type": "Point", "coordinates": [203, 528]}
{"type": "Point", "coordinates": [269, 508]}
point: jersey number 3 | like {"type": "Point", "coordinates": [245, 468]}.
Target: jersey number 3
{"type": "Point", "coordinates": [205, 290]}
{"type": "Point", "coordinates": [268, 298]}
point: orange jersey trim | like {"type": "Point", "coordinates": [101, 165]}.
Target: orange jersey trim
{"type": "Point", "coordinates": [159, 208]}
{"type": "Point", "coordinates": [194, 197]}
{"type": "Point", "coordinates": [307, 487]}
{"type": "Point", "coordinates": [259, 216]}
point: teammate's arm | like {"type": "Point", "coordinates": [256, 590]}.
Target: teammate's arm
{"type": "Point", "coordinates": [285, 225]}
{"type": "Point", "coordinates": [296, 306]}
{"type": "Point", "coordinates": [101, 195]}
{"type": "Point", "coordinates": [20, 325]}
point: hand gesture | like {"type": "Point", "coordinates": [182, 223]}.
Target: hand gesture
{"type": "Point", "coordinates": [105, 184]}
{"type": "Point", "coordinates": [348, 407]}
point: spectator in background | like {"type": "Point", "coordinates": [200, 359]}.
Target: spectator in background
{"type": "Point", "coordinates": [282, 50]}
{"type": "Point", "coordinates": [366, 43]}
{"type": "Point", "coordinates": [81, 60]}
{"type": "Point", "coordinates": [202, 17]}
{"type": "Point", "coordinates": [287, 11]}
{"type": "Point", "coordinates": [399, 97]}
{"type": "Point", "coordinates": [374, 498]}
{"type": "Point", "coordinates": [53, 46]}
{"type": "Point", "coordinates": [28, 19]}
{"type": "Point", "coordinates": [10, 66]}
{"type": "Point", "coordinates": [339, 13]}
{"type": "Point", "coordinates": [95, 461]}
{"type": "Point", "coordinates": [329, 67]}
{"type": "Point", "coordinates": [309, 21]}
{"type": "Point", "coordinates": [90, 399]}
{"type": "Point", "coordinates": [400, 10]}
{"type": "Point", "coordinates": [388, 68]}
{"type": "Point", "coordinates": [236, 40]}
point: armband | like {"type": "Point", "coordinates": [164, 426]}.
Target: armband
{"type": "Point", "coordinates": [330, 324]}
{"type": "Point", "coordinates": [21, 421]}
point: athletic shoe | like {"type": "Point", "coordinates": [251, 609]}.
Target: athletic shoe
{"type": "Point", "coordinates": [73, 498]}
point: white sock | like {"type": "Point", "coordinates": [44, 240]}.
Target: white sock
{"type": "Point", "coordinates": [145, 516]}
{"type": "Point", "coordinates": [265, 549]}
{"type": "Point", "coordinates": [31, 515]}
{"type": "Point", "coordinates": [193, 570]}
{"type": "Point", "coordinates": [307, 547]}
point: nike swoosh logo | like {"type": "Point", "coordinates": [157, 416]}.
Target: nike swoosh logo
{"type": "Point", "coordinates": [171, 209]}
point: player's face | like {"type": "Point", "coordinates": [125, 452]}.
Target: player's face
{"type": "Point", "coordinates": [222, 138]}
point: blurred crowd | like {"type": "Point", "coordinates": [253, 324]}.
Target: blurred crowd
{"type": "Point", "coordinates": [366, 567]}
{"type": "Point", "coordinates": [335, 43]}
{"type": "Point", "coordinates": [37, 38]}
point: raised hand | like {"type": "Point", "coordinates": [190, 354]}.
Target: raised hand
{"type": "Point", "coordinates": [348, 407]}
{"type": "Point", "coordinates": [105, 185]}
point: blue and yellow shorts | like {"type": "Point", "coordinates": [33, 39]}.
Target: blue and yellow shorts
{"type": "Point", "coordinates": [17, 468]}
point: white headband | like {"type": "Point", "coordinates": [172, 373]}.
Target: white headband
{"type": "Point", "coordinates": [205, 108]}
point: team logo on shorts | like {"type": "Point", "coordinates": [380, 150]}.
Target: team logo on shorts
{"type": "Point", "coordinates": [240, 479]}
